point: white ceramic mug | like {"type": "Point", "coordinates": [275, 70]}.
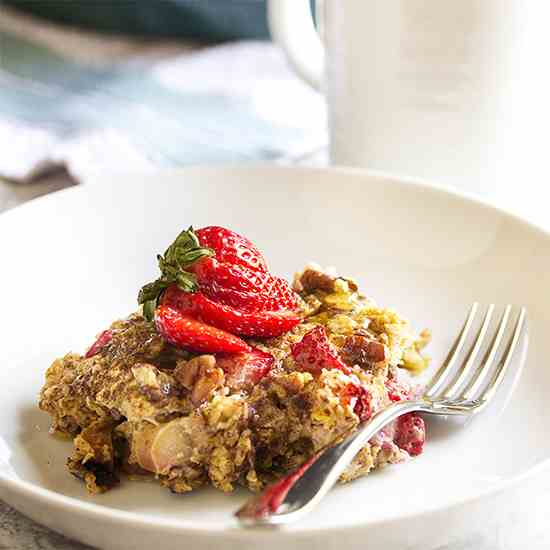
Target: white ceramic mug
{"type": "Point", "coordinates": [456, 91]}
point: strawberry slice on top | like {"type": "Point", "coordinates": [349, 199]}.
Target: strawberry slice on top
{"type": "Point", "coordinates": [231, 248]}
{"type": "Point", "coordinates": [184, 331]}
{"type": "Point", "coordinates": [261, 324]}
{"type": "Point", "coordinates": [243, 288]}
{"type": "Point", "coordinates": [282, 297]}
{"type": "Point", "coordinates": [220, 279]}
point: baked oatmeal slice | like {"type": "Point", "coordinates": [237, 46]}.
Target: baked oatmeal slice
{"type": "Point", "coordinates": [146, 407]}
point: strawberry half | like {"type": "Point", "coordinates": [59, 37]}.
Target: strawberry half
{"type": "Point", "coordinates": [314, 352]}
{"type": "Point", "coordinates": [243, 370]}
{"type": "Point", "coordinates": [220, 278]}
{"type": "Point", "coordinates": [231, 248]}
{"type": "Point", "coordinates": [243, 288]}
{"type": "Point", "coordinates": [263, 324]}
{"type": "Point", "coordinates": [280, 297]}
{"type": "Point", "coordinates": [189, 333]}
{"type": "Point", "coordinates": [210, 271]}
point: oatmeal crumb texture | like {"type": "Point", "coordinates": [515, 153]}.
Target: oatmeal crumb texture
{"type": "Point", "coordinates": [145, 408]}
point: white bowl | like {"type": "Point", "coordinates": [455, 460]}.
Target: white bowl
{"type": "Point", "coordinates": [73, 261]}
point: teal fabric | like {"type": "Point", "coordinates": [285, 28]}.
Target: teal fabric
{"type": "Point", "coordinates": [216, 20]}
{"type": "Point", "coordinates": [166, 125]}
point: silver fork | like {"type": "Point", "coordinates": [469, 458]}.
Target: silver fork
{"type": "Point", "coordinates": [465, 390]}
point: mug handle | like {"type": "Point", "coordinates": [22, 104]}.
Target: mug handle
{"type": "Point", "coordinates": [292, 27]}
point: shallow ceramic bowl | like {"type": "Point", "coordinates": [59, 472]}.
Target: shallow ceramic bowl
{"type": "Point", "coordinates": [73, 261]}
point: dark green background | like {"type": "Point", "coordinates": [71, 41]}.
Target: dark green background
{"type": "Point", "coordinates": [215, 20]}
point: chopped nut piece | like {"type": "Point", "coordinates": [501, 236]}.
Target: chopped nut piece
{"type": "Point", "coordinates": [363, 351]}
{"type": "Point", "coordinates": [201, 376]}
{"type": "Point", "coordinates": [313, 279]}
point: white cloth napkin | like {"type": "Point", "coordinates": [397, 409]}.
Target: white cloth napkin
{"type": "Point", "coordinates": [237, 102]}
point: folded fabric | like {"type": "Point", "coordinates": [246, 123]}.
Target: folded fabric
{"type": "Point", "coordinates": [238, 102]}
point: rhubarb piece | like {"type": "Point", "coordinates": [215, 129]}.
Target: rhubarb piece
{"type": "Point", "coordinates": [102, 340]}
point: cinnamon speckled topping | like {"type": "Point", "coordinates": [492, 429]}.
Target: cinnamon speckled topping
{"type": "Point", "coordinates": [145, 407]}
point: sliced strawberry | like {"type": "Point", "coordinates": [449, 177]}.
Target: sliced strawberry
{"type": "Point", "coordinates": [102, 340]}
{"type": "Point", "coordinates": [359, 398]}
{"type": "Point", "coordinates": [243, 288]}
{"type": "Point", "coordinates": [243, 370]}
{"type": "Point", "coordinates": [210, 271]}
{"type": "Point", "coordinates": [231, 247]}
{"type": "Point", "coordinates": [226, 270]}
{"type": "Point", "coordinates": [410, 433]}
{"type": "Point", "coordinates": [262, 324]}
{"type": "Point", "coordinates": [281, 297]}
{"type": "Point", "coordinates": [245, 301]}
{"type": "Point", "coordinates": [314, 352]}
{"type": "Point", "coordinates": [189, 333]}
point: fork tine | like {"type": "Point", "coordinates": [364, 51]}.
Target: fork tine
{"type": "Point", "coordinates": [497, 378]}
{"type": "Point", "coordinates": [468, 365]}
{"type": "Point", "coordinates": [485, 367]}
{"type": "Point", "coordinates": [446, 368]}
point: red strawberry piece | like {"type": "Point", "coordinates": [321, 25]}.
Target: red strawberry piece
{"type": "Point", "coordinates": [410, 433]}
{"type": "Point", "coordinates": [102, 340]}
{"type": "Point", "coordinates": [282, 293]}
{"type": "Point", "coordinates": [397, 391]}
{"type": "Point", "coordinates": [360, 398]}
{"type": "Point", "coordinates": [243, 370]}
{"type": "Point", "coordinates": [272, 497]}
{"type": "Point", "coordinates": [262, 324]}
{"type": "Point", "coordinates": [210, 271]}
{"type": "Point", "coordinates": [231, 248]}
{"type": "Point", "coordinates": [280, 297]}
{"type": "Point", "coordinates": [243, 288]}
{"type": "Point", "coordinates": [189, 333]}
{"type": "Point", "coordinates": [314, 352]}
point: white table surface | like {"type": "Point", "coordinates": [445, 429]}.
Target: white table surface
{"type": "Point", "coordinates": [526, 526]}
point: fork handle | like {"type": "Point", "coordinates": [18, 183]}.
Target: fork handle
{"type": "Point", "coordinates": [300, 491]}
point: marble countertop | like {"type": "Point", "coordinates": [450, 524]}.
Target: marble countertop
{"type": "Point", "coordinates": [526, 526]}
